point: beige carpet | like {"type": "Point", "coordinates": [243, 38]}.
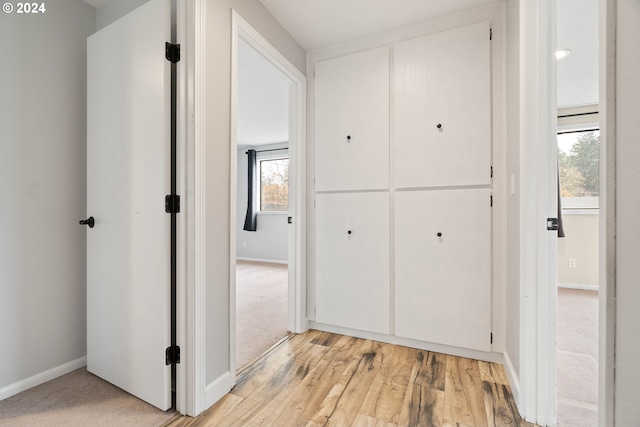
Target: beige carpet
{"type": "Point", "coordinates": [577, 358]}
{"type": "Point", "coordinates": [261, 308]}
{"type": "Point", "coordinates": [79, 399]}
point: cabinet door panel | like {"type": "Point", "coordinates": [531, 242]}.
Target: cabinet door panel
{"type": "Point", "coordinates": [352, 122]}
{"type": "Point", "coordinates": [352, 269]}
{"type": "Point", "coordinates": [443, 109]}
{"type": "Point", "coordinates": [443, 283]}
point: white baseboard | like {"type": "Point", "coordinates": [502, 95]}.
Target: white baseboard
{"type": "Point", "coordinates": [269, 261]}
{"type": "Point", "coordinates": [514, 381]}
{"type": "Point", "coordinates": [42, 377]}
{"type": "Point", "coordinates": [406, 342]}
{"type": "Point", "coordinates": [578, 286]}
{"type": "Point", "coordinates": [214, 391]}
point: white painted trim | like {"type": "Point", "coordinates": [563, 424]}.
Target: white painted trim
{"type": "Point", "coordinates": [407, 342]}
{"type": "Point", "coordinates": [578, 286]}
{"type": "Point", "coordinates": [606, 358]}
{"type": "Point", "coordinates": [512, 376]}
{"type": "Point", "coordinates": [217, 389]}
{"type": "Point", "coordinates": [190, 393]}
{"type": "Point", "coordinates": [42, 377]}
{"type": "Point", "coordinates": [267, 261]}
{"type": "Point", "coordinates": [537, 398]}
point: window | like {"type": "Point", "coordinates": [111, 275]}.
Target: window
{"type": "Point", "coordinates": [578, 154]}
{"type": "Point", "coordinates": [274, 185]}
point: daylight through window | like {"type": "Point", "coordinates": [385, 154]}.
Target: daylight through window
{"type": "Point", "coordinates": [274, 185]}
{"type": "Point", "coordinates": [578, 153]}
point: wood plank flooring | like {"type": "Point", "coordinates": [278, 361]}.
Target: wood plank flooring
{"type": "Point", "coordinates": [322, 379]}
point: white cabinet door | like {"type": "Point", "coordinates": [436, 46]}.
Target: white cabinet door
{"type": "Point", "coordinates": [128, 176]}
{"type": "Point", "coordinates": [352, 260]}
{"type": "Point", "coordinates": [443, 109]}
{"type": "Point", "coordinates": [443, 267]}
{"type": "Point", "coordinates": [352, 122]}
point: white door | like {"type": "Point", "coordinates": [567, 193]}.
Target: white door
{"type": "Point", "coordinates": [352, 122]}
{"type": "Point", "coordinates": [443, 109]}
{"type": "Point", "coordinates": [443, 267]}
{"type": "Point", "coordinates": [128, 176]}
{"type": "Point", "coordinates": [352, 260]}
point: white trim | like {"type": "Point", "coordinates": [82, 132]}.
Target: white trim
{"type": "Point", "coordinates": [578, 286]}
{"type": "Point", "coordinates": [537, 396]}
{"type": "Point", "coordinates": [407, 342]}
{"type": "Point", "coordinates": [190, 392]}
{"type": "Point", "coordinates": [606, 358]}
{"type": "Point", "coordinates": [268, 261]}
{"type": "Point", "coordinates": [217, 389]}
{"type": "Point", "coordinates": [570, 211]}
{"type": "Point", "coordinates": [512, 376]}
{"type": "Point", "coordinates": [42, 377]}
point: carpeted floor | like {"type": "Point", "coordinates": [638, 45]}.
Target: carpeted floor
{"type": "Point", "coordinates": [79, 399]}
{"type": "Point", "coordinates": [261, 308]}
{"type": "Point", "coordinates": [577, 358]}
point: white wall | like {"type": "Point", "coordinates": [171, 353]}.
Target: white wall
{"type": "Point", "coordinates": [217, 161]}
{"type": "Point", "coordinates": [627, 225]}
{"type": "Point", "coordinates": [115, 9]}
{"type": "Point", "coordinates": [581, 244]}
{"type": "Point", "coordinates": [270, 241]}
{"type": "Point", "coordinates": [43, 175]}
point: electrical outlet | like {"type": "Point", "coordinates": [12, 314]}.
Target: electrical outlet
{"type": "Point", "coordinates": [572, 263]}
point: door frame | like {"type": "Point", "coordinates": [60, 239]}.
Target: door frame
{"type": "Point", "coordinates": [297, 319]}
{"type": "Point", "coordinates": [537, 345]}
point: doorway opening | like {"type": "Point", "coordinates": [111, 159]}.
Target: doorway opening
{"type": "Point", "coordinates": [267, 197]}
{"type": "Point", "coordinates": [578, 269]}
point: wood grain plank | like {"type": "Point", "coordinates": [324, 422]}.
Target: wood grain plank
{"type": "Point", "coordinates": [386, 396]}
{"type": "Point", "coordinates": [500, 406]}
{"type": "Point", "coordinates": [431, 370]}
{"type": "Point", "coordinates": [265, 369]}
{"type": "Point", "coordinates": [221, 409]}
{"type": "Point", "coordinates": [366, 421]}
{"type": "Point", "coordinates": [423, 406]}
{"type": "Point", "coordinates": [307, 397]}
{"type": "Point", "coordinates": [341, 405]}
{"type": "Point", "coordinates": [493, 372]}
{"type": "Point", "coordinates": [464, 400]}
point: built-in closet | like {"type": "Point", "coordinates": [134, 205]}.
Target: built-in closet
{"type": "Point", "coordinates": [403, 189]}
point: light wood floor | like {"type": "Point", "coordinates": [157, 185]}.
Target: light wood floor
{"type": "Point", "coordinates": [323, 379]}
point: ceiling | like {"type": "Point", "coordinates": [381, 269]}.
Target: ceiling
{"type": "Point", "coordinates": [263, 100]}
{"type": "Point", "coordinates": [578, 73]}
{"type": "Point", "coordinates": [320, 23]}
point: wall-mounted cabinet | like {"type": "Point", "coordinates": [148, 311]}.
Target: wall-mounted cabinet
{"type": "Point", "coordinates": [352, 122]}
{"type": "Point", "coordinates": [352, 260]}
{"type": "Point", "coordinates": [442, 89]}
{"type": "Point", "coordinates": [443, 267]}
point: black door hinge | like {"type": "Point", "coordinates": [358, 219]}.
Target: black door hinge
{"type": "Point", "coordinates": [490, 33]}
{"type": "Point", "coordinates": [172, 52]}
{"type": "Point", "coordinates": [491, 200]}
{"type": "Point", "coordinates": [552, 224]}
{"type": "Point", "coordinates": [491, 171]}
{"type": "Point", "coordinates": [172, 355]}
{"type": "Point", "coordinates": [491, 337]}
{"type": "Point", "coordinates": [172, 203]}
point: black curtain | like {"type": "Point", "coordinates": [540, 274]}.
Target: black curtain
{"type": "Point", "coordinates": [251, 220]}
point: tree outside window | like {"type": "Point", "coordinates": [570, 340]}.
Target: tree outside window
{"type": "Point", "coordinates": [578, 154]}
{"type": "Point", "coordinates": [274, 185]}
